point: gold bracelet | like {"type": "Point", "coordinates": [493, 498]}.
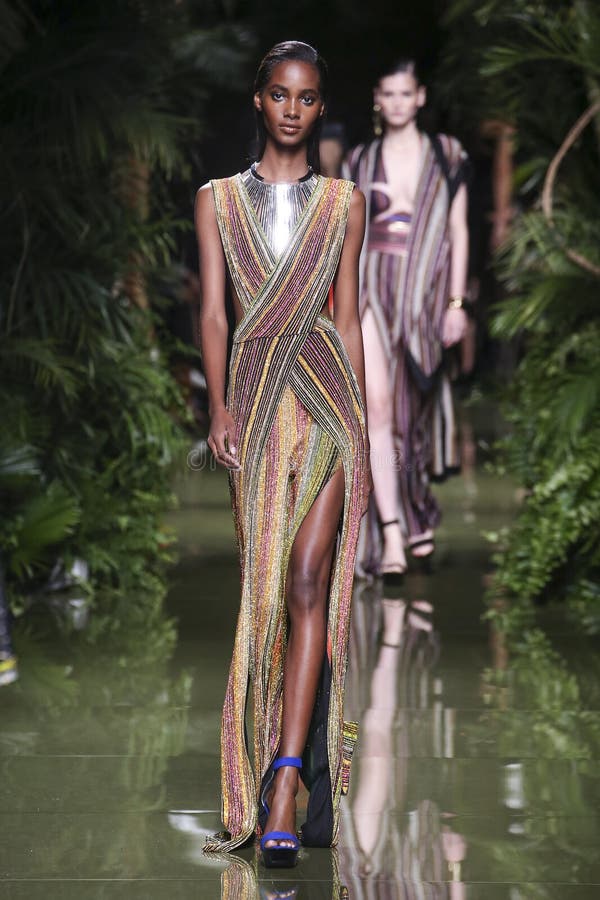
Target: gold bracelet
{"type": "Point", "coordinates": [456, 302]}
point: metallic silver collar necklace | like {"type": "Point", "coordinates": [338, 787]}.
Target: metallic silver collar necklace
{"type": "Point", "coordinates": [278, 205]}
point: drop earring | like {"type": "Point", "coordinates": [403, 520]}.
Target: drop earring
{"type": "Point", "coordinates": [377, 120]}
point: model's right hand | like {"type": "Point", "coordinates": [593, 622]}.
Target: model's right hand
{"type": "Point", "coordinates": [221, 438]}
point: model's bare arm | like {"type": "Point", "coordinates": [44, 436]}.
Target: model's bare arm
{"type": "Point", "coordinates": [459, 241]}
{"type": "Point", "coordinates": [345, 297]}
{"type": "Point", "coordinates": [214, 328]}
{"type": "Point", "coordinates": [455, 320]}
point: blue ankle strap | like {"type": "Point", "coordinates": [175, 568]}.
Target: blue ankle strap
{"type": "Point", "coordinates": [294, 761]}
{"type": "Point", "coordinates": [279, 836]}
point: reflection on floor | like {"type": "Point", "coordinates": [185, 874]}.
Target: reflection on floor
{"type": "Point", "coordinates": [477, 773]}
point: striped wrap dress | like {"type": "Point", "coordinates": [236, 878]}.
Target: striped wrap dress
{"type": "Point", "coordinates": [299, 416]}
{"type": "Point", "coordinates": [405, 276]}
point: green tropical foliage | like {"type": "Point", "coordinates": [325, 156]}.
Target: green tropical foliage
{"type": "Point", "coordinates": [101, 107]}
{"type": "Point", "coordinates": [539, 64]}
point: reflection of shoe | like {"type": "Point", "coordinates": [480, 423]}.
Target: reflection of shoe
{"type": "Point", "coordinates": [271, 892]}
{"type": "Point", "coordinates": [392, 573]}
{"type": "Point", "coordinates": [420, 615]}
{"type": "Point", "coordinates": [8, 670]}
{"type": "Point", "coordinates": [277, 856]}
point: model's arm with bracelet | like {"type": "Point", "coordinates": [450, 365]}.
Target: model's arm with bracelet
{"type": "Point", "coordinates": [345, 306]}
{"type": "Point", "coordinates": [214, 328]}
{"type": "Point", "coordinates": [454, 325]}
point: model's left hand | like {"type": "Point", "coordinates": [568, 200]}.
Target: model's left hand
{"type": "Point", "coordinates": [454, 326]}
{"type": "Point", "coordinates": [454, 845]}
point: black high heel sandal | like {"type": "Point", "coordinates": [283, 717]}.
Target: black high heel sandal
{"type": "Point", "coordinates": [280, 857]}
{"type": "Point", "coordinates": [392, 574]}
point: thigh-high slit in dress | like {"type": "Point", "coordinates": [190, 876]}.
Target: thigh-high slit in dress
{"type": "Point", "coordinates": [299, 417]}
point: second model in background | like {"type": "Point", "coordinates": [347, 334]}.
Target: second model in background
{"type": "Point", "coordinates": [414, 270]}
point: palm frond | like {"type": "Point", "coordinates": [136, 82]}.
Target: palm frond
{"type": "Point", "coordinates": [17, 462]}
{"type": "Point", "coordinates": [39, 359]}
{"type": "Point", "coordinates": [44, 521]}
{"type": "Point", "coordinates": [99, 108]}
{"type": "Point", "coordinates": [577, 401]}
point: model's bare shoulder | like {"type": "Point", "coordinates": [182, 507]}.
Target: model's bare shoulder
{"type": "Point", "coordinates": [205, 215]}
{"type": "Point", "coordinates": [204, 207]}
{"type": "Point", "coordinates": [356, 213]}
{"type": "Point", "coordinates": [204, 195]}
{"type": "Point", "coordinates": [358, 199]}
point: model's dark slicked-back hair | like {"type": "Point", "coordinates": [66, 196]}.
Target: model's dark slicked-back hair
{"type": "Point", "coordinates": [401, 65]}
{"type": "Point", "coordinates": [292, 51]}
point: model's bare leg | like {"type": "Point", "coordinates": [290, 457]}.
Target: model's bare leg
{"type": "Point", "coordinates": [374, 793]}
{"type": "Point", "coordinates": [306, 593]}
{"type": "Point", "coordinates": [384, 460]}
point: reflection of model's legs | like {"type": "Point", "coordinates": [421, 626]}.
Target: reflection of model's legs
{"type": "Point", "coordinates": [373, 792]}
{"type": "Point", "coordinates": [306, 593]}
{"type": "Point", "coordinates": [383, 456]}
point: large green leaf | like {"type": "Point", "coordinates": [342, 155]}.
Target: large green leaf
{"type": "Point", "coordinates": [44, 521]}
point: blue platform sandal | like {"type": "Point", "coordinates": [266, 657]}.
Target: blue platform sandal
{"type": "Point", "coordinates": [280, 857]}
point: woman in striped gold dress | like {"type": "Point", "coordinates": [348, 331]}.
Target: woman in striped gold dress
{"type": "Point", "coordinates": [414, 269]}
{"type": "Point", "coordinates": [292, 432]}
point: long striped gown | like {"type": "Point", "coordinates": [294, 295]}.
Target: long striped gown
{"type": "Point", "coordinates": [405, 280]}
{"type": "Point", "coordinates": [299, 416]}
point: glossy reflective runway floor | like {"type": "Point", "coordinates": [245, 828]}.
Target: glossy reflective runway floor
{"type": "Point", "coordinates": [477, 773]}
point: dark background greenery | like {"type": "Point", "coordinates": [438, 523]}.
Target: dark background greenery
{"type": "Point", "coordinates": [538, 67]}
{"type": "Point", "coordinates": [102, 106]}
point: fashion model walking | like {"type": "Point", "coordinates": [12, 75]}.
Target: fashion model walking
{"type": "Point", "coordinates": [414, 271]}
{"type": "Point", "coordinates": [292, 432]}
